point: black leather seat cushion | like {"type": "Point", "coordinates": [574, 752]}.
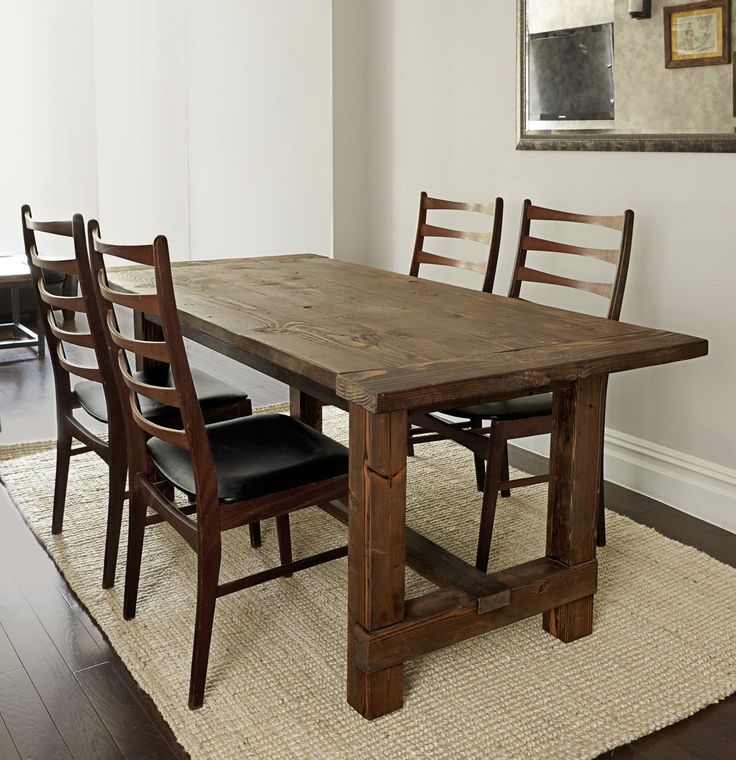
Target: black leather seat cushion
{"type": "Point", "coordinates": [513, 409]}
{"type": "Point", "coordinates": [256, 456]}
{"type": "Point", "coordinates": [211, 392]}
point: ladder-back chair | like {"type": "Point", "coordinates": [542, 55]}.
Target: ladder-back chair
{"type": "Point", "coordinates": [67, 337]}
{"type": "Point", "coordinates": [235, 472]}
{"type": "Point", "coordinates": [532, 415]}
{"type": "Point", "coordinates": [92, 387]}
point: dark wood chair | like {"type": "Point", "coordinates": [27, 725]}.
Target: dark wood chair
{"type": "Point", "coordinates": [69, 339]}
{"type": "Point", "coordinates": [531, 415]}
{"type": "Point", "coordinates": [235, 472]}
{"type": "Point", "coordinates": [490, 240]}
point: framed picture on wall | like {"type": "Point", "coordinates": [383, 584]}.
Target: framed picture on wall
{"type": "Point", "coordinates": [697, 34]}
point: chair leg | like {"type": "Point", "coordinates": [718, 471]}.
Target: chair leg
{"type": "Point", "coordinates": [506, 492]}
{"type": "Point", "coordinates": [494, 469]}
{"type": "Point", "coordinates": [63, 455]}
{"type": "Point", "coordinates": [283, 529]}
{"type": "Point", "coordinates": [208, 572]}
{"type": "Point", "coordinates": [40, 333]}
{"type": "Point", "coordinates": [601, 531]}
{"type": "Point", "coordinates": [115, 500]}
{"type": "Point", "coordinates": [255, 534]}
{"type": "Point", "coordinates": [601, 527]}
{"type": "Point", "coordinates": [480, 463]}
{"type": "Point", "coordinates": [480, 471]}
{"type": "Point", "coordinates": [409, 441]}
{"type": "Point", "coordinates": [136, 531]}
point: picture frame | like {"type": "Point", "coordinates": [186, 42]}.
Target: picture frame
{"type": "Point", "coordinates": [697, 34]}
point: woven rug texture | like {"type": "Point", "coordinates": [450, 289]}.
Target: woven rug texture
{"type": "Point", "coordinates": [663, 646]}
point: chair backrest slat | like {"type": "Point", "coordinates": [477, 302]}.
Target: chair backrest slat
{"type": "Point", "coordinates": [553, 215]}
{"type": "Point", "coordinates": [444, 261]}
{"type": "Point", "coordinates": [80, 370]}
{"type": "Point", "coordinates": [609, 255]}
{"type": "Point", "coordinates": [60, 266]}
{"type": "Point", "coordinates": [81, 339]}
{"type": "Point", "coordinates": [63, 228]}
{"type": "Point", "coordinates": [138, 254]}
{"type": "Point", "coordinates": [430, 230]}
{"type": "Point", "coordinates": [161, 393]}
{"type": "Point", "coordinates": [173, 436]}
{"type": "Point", "coordinates": [491, 238]}
{"type": "Point", "coordinates": [440, 204]}
{"type": "Point", "coordinates": [148, 349]}
{"type": "Point", "coordinates": [145, 304]}
{"type": "Point", "coordinates": [612, 290]}
{"type": "Point", "coordinates": [527, 274]}
{"type": "Point", "coordinates": [68, 303]}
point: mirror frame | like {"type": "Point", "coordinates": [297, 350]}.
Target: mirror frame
{"type": "Point", "coordinates": [717, 142]}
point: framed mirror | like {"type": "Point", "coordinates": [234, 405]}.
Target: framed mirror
{"type": "Point", "coordinates": [626, 75]}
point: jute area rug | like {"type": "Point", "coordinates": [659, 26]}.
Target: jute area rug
{"type": "Point", "coordinates": [664, 644]}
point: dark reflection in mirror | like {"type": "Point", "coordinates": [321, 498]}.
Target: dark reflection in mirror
{"type": "Point", "coordinates": [592, 77]}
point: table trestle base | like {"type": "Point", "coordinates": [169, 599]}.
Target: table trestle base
{"type": "Point", "coordinates": [467, 603]}
{"type": "Point", "coordinates": [448, 616]}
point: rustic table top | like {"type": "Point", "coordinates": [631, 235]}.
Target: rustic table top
{"type": "Point", "coordinates": [13, 269]}
{"type": "Point", "coordinates": [388, 341]}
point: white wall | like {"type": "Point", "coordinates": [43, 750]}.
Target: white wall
{"type": "Point", "coordinates": [260, 127]}
{"type": "Point", "coordinates": [209, 121]}
{"type": "Point", "coordinates": [442, 94]}
{"type": "Point", "coordinates": [349, 131]}
{"type": "Point", "coordinates": [141, 95]}
{"type": "Point", "coordinates": [48, 154]}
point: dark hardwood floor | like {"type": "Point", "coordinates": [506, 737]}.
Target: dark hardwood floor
{"type": "Point", "coordinates": [64, 693]}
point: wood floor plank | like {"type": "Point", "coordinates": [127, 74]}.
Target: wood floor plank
{"type": "Point", "coordinates": [30, 569]}
{"type": "Point", "coordinates": [8, 750]}
{"type": "Point", "coordinates": [28, 722]}
{"type": "Point", "coordinates": [97, 636]}
{"type": "Point", "coordinates": [627, 752]}
{"type": "Point", "coordinates": [71, 711]}
{"type": "Point", "coordinates": [119, 709]}
{"type": "Point", "coordinates": [65, 629]}
{"type": "Point", "coordinates": [706, 734]}
{"type": "Point", "coordinates": [8, 658]}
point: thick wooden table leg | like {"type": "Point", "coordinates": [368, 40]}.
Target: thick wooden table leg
{"type": "Point", "coordinates": [575, 469]}
{"type": "Point", "coordinates": [308, 409]}
{"type": "Point", "coordinates": [376, 549]}
{"type": "Point", "coordinates": [145, 329]}
{"type": "Point", "coordinates": [305, 408]}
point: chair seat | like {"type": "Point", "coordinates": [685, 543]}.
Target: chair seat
{"type": "Point", "coordinates": [256, 456]}
{"type": "Point", "coordinates": [211, 392]}
{"type": "Point", "coordinates": [513, 409]}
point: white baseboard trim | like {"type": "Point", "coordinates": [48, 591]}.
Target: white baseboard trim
{"type": "Point", "coordinates": [695, 486]}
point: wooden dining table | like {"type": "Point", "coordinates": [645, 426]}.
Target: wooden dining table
{"type": "Point", "coordinates": [383, 346]}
